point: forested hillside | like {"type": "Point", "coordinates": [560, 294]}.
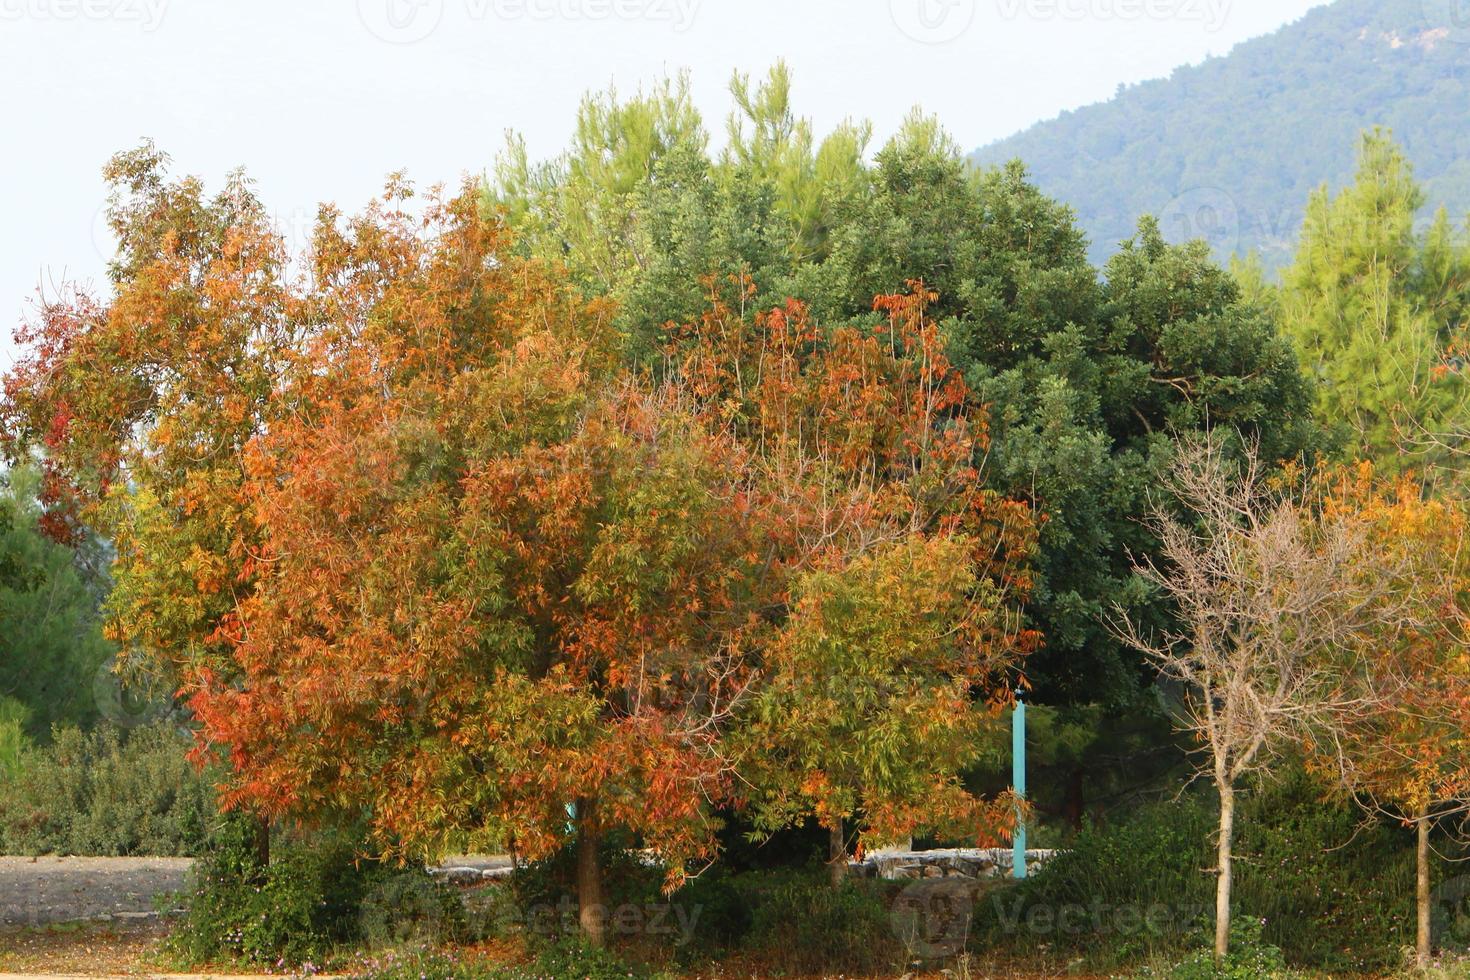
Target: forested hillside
{"type": "Point", "coordinates": [1230, 149]}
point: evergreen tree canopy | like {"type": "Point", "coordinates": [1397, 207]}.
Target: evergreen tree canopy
{"type": "Point", "coordinates": [51, 643]}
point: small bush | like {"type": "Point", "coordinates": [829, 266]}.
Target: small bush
{"type": "Point", "coordinates": [1119, 893]}
{"type": "Point", "coordinates": [798, 919]}
{"type": "Point", "coordinates": [1250, 958]}
{"type": "Point", "coordinates": [316, 898]}
{"type": "Point", "coordinates": [106, 793]}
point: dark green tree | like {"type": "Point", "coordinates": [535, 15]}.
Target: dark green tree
{"type": "Point", "coordinates": [51, 643]}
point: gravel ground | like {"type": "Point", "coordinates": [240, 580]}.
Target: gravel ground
{"type": "Point", "coordinates": [50, 890]}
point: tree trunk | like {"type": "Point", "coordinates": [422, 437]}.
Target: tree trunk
{"type": "Point", "coordinates": [262, 847]}
{"type": "Point", "coordinates": [591, 913]}
{"type": "Point", "coordinates": [837, 855]}
{"type": "Point", "coordinates": [1422, 946]}
{"type": "Point", "coordinates": [1222, 882]}
{"type": "Point", "coordinates": [1075, 805]}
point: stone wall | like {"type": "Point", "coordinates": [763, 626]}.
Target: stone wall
{"type": "Point", "coordinates": [973, 863]}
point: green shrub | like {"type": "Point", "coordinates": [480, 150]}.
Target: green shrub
{"type": "Point", "coordinates": [1250, 958]}
{"type": "Point", "coordinates": [719, 914]}
{"type": "Point", "coordinates": [551, 883]}
{"type": "Point", "coordinates": [316, 899]}
{"type": "Point", "coordinates": [1130, 889]}
{"type": "Point", "coordinates": [790, 917]}
{"type": "Point", "coordinates": [799, 920]}
{"type": "Point", "coordinates": [106, 793]}
{"type": "Point", "coordinates": [1333, 893]}
{"type": "Point", "coordinates": [13, 742]}
{"type": "Point", "coordinates": [293, 912]}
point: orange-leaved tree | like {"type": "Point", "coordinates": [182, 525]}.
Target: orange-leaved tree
{"type": "Point", "coordinates": [140, 407]}
{"type": "Point", "coordinates": [1409, 757]}
{"type": "Point", "coordinates": [498, 573]}
{"type": "Point", "coordinates": [421, 547]}
{"type": "Point", "coordinates": [899, 634]}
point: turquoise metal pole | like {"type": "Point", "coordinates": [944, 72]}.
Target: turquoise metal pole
{"type": "Point", "coordinates": [1018, 778]}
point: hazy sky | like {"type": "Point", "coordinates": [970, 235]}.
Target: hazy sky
{"type": "Point", "coordinates": [318, 99]}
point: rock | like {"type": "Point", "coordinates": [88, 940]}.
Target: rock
{"type": "Point", "coordinates": [884, 867]}
{"type": "Point", "coordinates": [462, 876]}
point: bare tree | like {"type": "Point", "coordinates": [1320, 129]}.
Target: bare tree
{"type": "Point", "coordinates": [1273, 596]}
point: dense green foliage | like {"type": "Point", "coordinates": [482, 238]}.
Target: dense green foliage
{"type": "Point", "coordinates": [317, 898]}
{"type": "Point", "coordinates": [1230, 149]}
{"type": "Point", "coordinates": [799, 920]}
{"type": "Point", "coordinates": [13, 741]}
{"type": "Point", "coordinates": [1089, 374]}
{"type": "Point", "coordinates": [1332, 892]}
{"type": "Point", "coordinates": [106, 792]}
{"type": "Point", "coordinates": [51, 643]}
{"type": "Point", "coordinates": [787, 915]}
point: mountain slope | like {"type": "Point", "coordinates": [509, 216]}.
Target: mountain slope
{"type": "Point", "coordinates": [1230, 149]}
